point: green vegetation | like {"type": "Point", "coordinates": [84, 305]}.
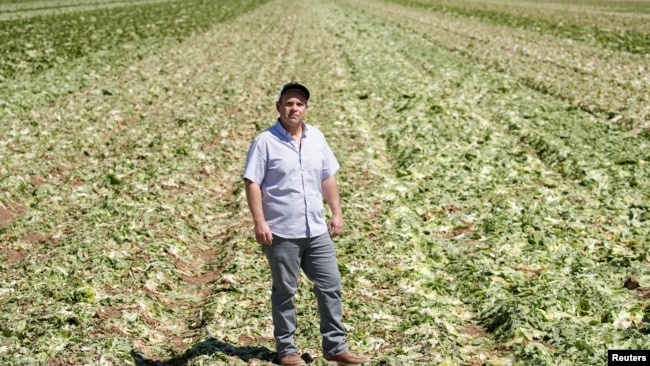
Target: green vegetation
{"type": "Point", "coordinates": [495, 163]}
{"type": "Point", "coordinates": [605, 24]}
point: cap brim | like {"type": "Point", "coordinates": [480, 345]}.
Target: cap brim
{"type": "Point", "coordinates": [294, 86]}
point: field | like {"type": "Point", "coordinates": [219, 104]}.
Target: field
{"type": "Point", "coordinates": [495, 178]}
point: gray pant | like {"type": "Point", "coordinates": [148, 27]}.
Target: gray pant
{"type": "Point", "coordinates": [317, 259]}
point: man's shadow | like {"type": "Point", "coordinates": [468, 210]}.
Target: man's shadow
{"type": "Point", "coordinates": [208, 347]}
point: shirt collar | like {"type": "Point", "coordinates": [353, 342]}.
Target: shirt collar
{"type": "Point", "coordinates": [280, 129]}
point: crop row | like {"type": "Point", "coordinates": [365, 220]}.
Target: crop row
{"type": "Point", "coordinates": [612, 84]}
{"type": "Point", "coordinates": [22, 10]}
{"type": "Point", "coordinates": [620, 31]}
{"type": "Point", "coordinates": [576, 145]}
{"type": "Point", "coordinates": [35, 44]}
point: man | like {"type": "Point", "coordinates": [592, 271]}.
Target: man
{"type": "Point", "coordinates": [289, 169]}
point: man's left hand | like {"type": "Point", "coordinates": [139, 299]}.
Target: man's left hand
{"type": "Point", "coordinates": [335, 225]}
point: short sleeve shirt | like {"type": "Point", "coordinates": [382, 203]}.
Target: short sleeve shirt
{"type": "Point", "coordinates": [290, 179]}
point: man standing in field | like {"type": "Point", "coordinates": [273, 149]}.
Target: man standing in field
{"type": "Point", "coordinates": [289, 169]}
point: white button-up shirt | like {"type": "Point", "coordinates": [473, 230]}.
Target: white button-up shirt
{"type": "Point", "coordinates": [290, 179]}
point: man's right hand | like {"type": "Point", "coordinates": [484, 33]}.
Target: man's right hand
{"type": "Point", "coordinates": [263, 233]}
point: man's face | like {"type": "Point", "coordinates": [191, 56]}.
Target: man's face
{"type": "Point", "coordinates": [292, 108]}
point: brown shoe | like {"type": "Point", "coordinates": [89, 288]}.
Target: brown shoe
{"type": "Point", "coordinates": [347, 358]}
{"type": "Point", "coordinates": [292, 360]}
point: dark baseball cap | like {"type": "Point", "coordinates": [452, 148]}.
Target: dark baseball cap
{"type": "Point", "coordinates": [294, 85]}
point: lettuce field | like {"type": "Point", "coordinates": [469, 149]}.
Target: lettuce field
{"type": "Point", "coordinates": [495, 178]}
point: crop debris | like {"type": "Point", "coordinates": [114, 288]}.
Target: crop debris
{"type": "Point", "coordinates": [495, 178]}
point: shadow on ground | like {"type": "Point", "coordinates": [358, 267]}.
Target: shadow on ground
{"type": "Point", "coordinates": [209, 347]}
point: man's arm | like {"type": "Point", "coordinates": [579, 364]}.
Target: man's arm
{"type": "Point", "coordinates": [263, 233]}
{"type": "Point", "coordinates": [331, 195]}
